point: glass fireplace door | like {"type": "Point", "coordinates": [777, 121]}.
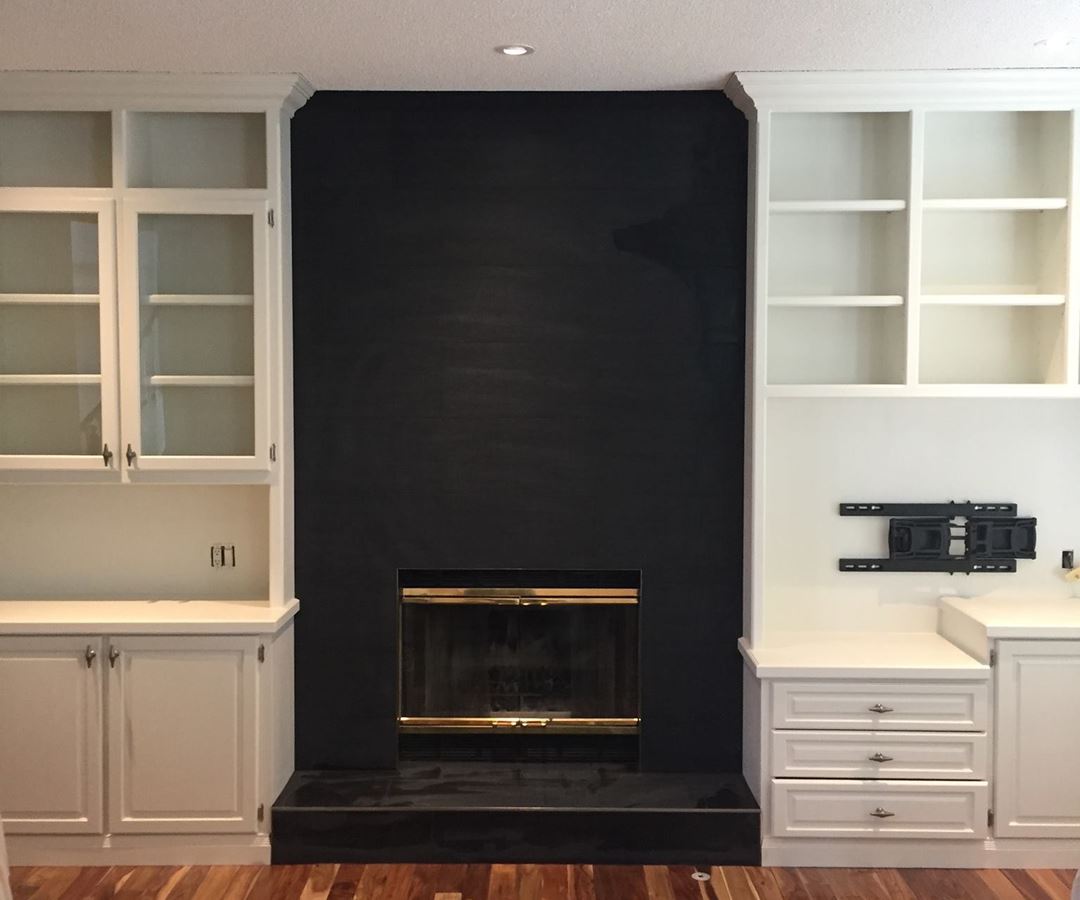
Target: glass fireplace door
{"type": "Point", "coordinates": [561, 661]}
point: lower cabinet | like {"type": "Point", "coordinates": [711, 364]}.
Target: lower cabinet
{"type": "Point", "coordinates": [181, 718]}
{"type": "Point", "coordinates": [177, 715]}
{"type": "Point", "coordinates": [1037, 723]}
{"type": "Point", "coordinates": [51, 735]}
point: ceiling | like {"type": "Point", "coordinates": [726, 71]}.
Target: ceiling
{"type": "Point", "coordinates": [580, 44]}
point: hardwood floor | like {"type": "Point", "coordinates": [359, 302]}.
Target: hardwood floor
{"type": "Point", "coordinates": [531, 882]}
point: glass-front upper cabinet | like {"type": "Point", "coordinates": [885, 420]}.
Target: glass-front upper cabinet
{"type": "Point", "coordinates": [194, 335]}
{"type": "Point", "coordinates": [58, 390]}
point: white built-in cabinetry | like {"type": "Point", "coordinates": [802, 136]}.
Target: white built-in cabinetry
{"type": "Point", "coordinates": [145, 415]}
{"type": "Point", "coordinates": [913, 334]}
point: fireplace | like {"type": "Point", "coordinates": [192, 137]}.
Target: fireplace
{"type": "Point", "coordinates": [518, 654]}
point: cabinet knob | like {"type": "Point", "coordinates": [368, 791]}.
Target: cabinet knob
{"type": "Point", "coordinates": [881, 813]}
{"type": "Point", "coordinates": [880, 757]}
{"type": "Point", "coordinates": [114, 655]}
{"type": "Point", "coordinates": [879, 708]}
{"type": "Point", "coordinates": [90, 656]}
{"type": "Point", "coordinates": [130, 456]}
{"type": "Point", "coordinates": [107, 455]}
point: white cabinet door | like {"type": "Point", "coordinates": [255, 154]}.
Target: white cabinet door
{"type": "Point", "coordinates": [194, 335]}
{"type": "Point", "coordinates": [1037, 780]}
{"type": "Point", "coordinates": [50, 735]}
{"type": "Point", "coordinates": [182, 718]}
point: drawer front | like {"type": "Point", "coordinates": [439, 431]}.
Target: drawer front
{"type": "Point", "coordinates": [879, 809]}
{"type": "Point", "coordinates": [879, 754]}
{"type": "Point", "coordinates": [881, 706]}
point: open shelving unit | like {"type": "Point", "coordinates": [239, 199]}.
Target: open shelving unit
{"type": "Point", "coordinates": [909, 250]}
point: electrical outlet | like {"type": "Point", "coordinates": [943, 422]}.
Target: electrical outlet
{"type": "Point", "coordinates": [222, 556]}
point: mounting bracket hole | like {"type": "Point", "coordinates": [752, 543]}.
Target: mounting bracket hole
{"type": "Point", "coordinates": [701, 876]}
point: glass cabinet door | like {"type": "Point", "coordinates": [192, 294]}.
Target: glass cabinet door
{"type": "Point", "coordinates": [194, 319]}
{"type": "Point", "coordinates": [57, 337]}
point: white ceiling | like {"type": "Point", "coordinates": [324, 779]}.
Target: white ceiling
{"type": "Point", "coordinates": [580, 44]}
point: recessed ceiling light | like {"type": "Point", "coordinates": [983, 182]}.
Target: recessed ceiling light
{"type": "Point", "coordinates": [515, 50]}
{"type": "Point", "coordinates": [1054, 42]}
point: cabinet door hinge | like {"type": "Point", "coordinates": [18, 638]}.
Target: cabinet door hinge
{"type": "Point", "coordinates": [273, 453]}
{"type": "Point", "coordinates": [993, 658]}
{"type": "Point", "coordinates": [990, 818]}
{"type": "Point", "coordinates": [270, 218]}
{"type": "Point", "coordinates": [262, 652]}
{"type": "Point", "coordinates": [262, 812]}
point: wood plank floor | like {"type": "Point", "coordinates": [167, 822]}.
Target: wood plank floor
{"type": "Point", "coordinates": [531, 882]}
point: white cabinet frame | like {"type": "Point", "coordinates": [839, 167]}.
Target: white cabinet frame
{"type": "Point", "coordinates": [174, 203]}
{"type": "Point", "coordinates": [47, 200]}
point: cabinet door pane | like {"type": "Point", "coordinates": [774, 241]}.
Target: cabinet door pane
{"type": "Point", "coordinates": [197, 334]}
{"type": "Point", "coordinates": [50, 334]}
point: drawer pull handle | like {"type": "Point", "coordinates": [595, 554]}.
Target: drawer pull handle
{"type": "Point", "coordinates": [880, 813]}
{"type": "Point", "coordinates": [880, 757]}
{"type": "Point", "coordinates": [879, 708]}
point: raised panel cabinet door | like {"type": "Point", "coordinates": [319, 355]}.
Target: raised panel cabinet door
{"type": "Point", "coordinates": [182, 717]}
{"type": "Point", "coordinates": [194, 335]}
{"type": "Point", "coordinates": [51, 735]}
{"type": "Point", "coordinates": [1037, 774]}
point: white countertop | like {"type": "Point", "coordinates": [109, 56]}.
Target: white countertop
{"type": "Point", "coordinates": [843, 654]}
{"type": "Point", "coordinates": [1019, 617]}
{"type": "Point", "coordinates": [142, 617]}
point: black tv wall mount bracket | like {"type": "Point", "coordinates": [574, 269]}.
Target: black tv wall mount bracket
{"type": "Point", "coordinates": [922, 535]}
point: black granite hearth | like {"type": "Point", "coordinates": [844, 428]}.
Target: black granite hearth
{"type": "Point", "coordinates": [516, 812]}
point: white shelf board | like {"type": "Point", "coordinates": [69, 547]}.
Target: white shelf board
{"type": "Point", "coordinates": [851, 654]}
{"type": "Point", "coordinates": [967, 391]}
{"type": "Point", "coordinates": [39, 380]}
{"type": "Point", "coordinates": [993, 299]}
{"type": "Point", "coordinates": [836, 300]}
{"type": "Point", "coordinates": [143, 616]}
{"type": "Point", "coordinates": [999, 204]}
{"type": "Point", "coordinates": [200, 300]}
{"type": "Point", "coordinates": [202, 380]}
{"type": "Point", "coordinates": [814, 206]}
{"type": "Point", "coordinates": [50, 299]}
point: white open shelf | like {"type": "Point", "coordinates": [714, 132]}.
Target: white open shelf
{"type": "Point", "coordinates": [837, 300]}
{"type": "Point", "coordinates": [809, 206]}
{"type": "Point", "coordinates": [836, 345]}
{"type": "Point", "coordinates": [839, 156]}
{"type": "Point", "coordinates": [994, 252]}
{"type": "Point", "coordinates": [845, 254]}
{"type": "Point", "coordinates": [55, 149]}
{"type": "Point", "coordinates": [202, 380]}
{"type": "Point", "coordinates": [49, 299]}
{"type": "Point", "coordinates": [200, 299]}
{"type": "Point", "coordinates": [22, 380]}
{"type": "Point", "coordinates": [991, 345]}
{"type": "Point", "coordinates": [196, 150]}
{"type": "Point", "coordinates": [996, 154]}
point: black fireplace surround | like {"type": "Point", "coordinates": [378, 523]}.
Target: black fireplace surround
{"type": "Point", "coordinates": [519, 344]}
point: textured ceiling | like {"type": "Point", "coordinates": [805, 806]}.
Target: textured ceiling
{"type": "Point", "coordinates": [580, 44]}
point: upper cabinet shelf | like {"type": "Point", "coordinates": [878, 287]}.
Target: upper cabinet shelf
{"type": "Point", "coordinates": [1000, 154]}
{"type": "Point", "coordinates": [196, 150]}
{"type": "Point", "coordinates": [913, 233]}
{"type": "Point", "coordinates": [55, 149]}
{"type": "Point", "coordinates": [839, 157]}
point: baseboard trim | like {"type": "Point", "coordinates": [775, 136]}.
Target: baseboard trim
{"type": "Point", "coordinates": [920, 854]}
{"type": "Point", "coordinates": [138, 850]}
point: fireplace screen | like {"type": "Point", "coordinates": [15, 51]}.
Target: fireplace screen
{"type": "Point", "coordinates": [552, 659]}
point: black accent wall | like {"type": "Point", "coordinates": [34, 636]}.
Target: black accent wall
{"type": "Point", "coordinates": [519, 343]}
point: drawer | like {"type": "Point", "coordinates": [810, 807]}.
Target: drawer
{"type": "Point", "coordinates": [881, 706]}
{"type": "Point", "coordinates": [879, 809]}
{"type": "Point", "coordinates": [879, 754]}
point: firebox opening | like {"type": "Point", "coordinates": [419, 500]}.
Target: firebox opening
{"type": "Point", "coordinates": [528, 663]}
